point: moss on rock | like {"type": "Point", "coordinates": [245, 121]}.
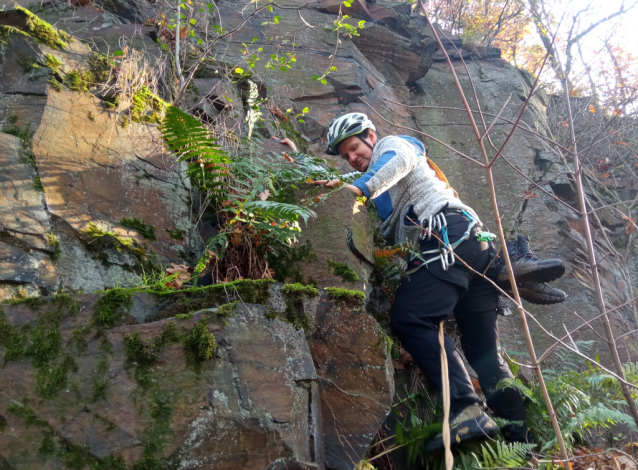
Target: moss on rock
{"type": "Point", "coordinates": [346, 294]}
{"type": "Point", "coordinates": [31, 25]}
{"type": "Point", "coordinates": [111, 305]}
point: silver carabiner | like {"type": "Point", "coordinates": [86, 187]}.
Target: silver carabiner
{"type": "Point", "coordinates": [452, 258]}
{"type": "Point", "coordinates": [430, 230]}
{"type": "Point", "coordinates": [444, 262]}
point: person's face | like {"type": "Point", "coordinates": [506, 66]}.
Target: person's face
{"type": "Point", "coordinates": [356, 153]}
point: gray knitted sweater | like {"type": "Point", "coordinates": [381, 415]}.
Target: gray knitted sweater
{"type": "Point", "coordinates": [403, 172]}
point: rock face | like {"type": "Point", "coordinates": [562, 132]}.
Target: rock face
{"type": "Point", "coordinates": [234, 386]}
{"type": "Point", "coordinates": [76, 164]}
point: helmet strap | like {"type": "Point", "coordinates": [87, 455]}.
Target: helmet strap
{"type": "Point", "coordinates": [364, 141]}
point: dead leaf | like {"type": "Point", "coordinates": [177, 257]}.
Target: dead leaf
{"type": "Point", "coordinates": [235, 238]}
{"type": "Point", "coordinates": [264, 195]}
{"type": "Point", "coordinates": [288, 158]}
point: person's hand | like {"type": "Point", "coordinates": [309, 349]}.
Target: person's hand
{"type": "Point", "coordinates": [337, 183]}
{"type": "Point", "coordinates": [329, 183]}
{"type": "Point", "coordinates": [288, 142]}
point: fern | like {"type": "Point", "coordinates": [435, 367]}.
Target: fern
{"type": "Point", "coordinates": [501, 454]}
{"type": "Point", "coordinates": [191, 142]}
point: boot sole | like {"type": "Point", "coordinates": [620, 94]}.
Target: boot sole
{"type": "Point", "coordinates": [481, 428]}
{"type": "Point", "coordinates": [539, 299]}
{"type": "Point", "coordinates": [550, 270]}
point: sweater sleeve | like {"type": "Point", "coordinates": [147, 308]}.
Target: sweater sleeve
{"type": "Point", "coordinates": [386, 172]}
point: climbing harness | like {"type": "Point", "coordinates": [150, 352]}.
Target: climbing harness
{"type": "Point", "coordinates": [445, 252]}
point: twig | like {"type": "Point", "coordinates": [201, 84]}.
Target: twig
{"type": "Point", "coordinates": [501, 234]}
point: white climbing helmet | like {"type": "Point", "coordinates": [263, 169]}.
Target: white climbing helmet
{"type": "Point", "coordinates": [346, 126]}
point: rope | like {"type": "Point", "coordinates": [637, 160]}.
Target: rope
{"type": "Point", "coordinates": [449, 459]}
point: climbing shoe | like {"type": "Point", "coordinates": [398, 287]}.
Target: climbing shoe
{"type": "Point", "coordinates": [539, 293]}
{"type": "Point", "coordinates": [470, 424]}
{"type": "Point", "coordinates": [527, 267]}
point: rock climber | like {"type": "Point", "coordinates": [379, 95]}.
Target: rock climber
{"type": "Point", "coordinates": [416, 204]}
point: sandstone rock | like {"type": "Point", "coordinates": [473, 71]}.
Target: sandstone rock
{"type": "Point", "coordinates": [135, 388]}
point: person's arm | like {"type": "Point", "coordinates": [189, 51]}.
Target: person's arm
{"type": "Point", "coordinates": [386, 172]}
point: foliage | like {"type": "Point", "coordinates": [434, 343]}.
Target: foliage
{"type": "Point", "coordinates": [245, 190]}
{"type": "Point", "coordinates": [42, 31]}
{"type": "Point", "coordinates": [342, 270]}
{"type": "Point", "coordinates": [147, 231]}
{"type": "Point", "coordinates": [586, 402]}
{"type": "Point", "coordinates": [346, 294]}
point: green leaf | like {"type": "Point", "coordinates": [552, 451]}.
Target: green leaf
{"type": "Point", "coordinates": [324, 81]}
{"type": "Point", "coordinates": [347, 4]}
{"type": "Point", "coordinates": [200, 41]}
{"type": "Point", "coordinates": [239, 70]}
{"type": "Point", "coordinates": [301, 121]}
{"type": "Point", "coordinates": [316, 77]}
{"type": "Point", "coordinates": [269, 8]}
{"type": "Point", "coordinates": [362, 23]}
{"type": "Point", "coordinates": [276, 19]}
{"type": "Point", "coordinates": [193, 21]}
{"type": "Point", "coordinates": [283, 68]}
{"type": "Point", "coordinates": [305, 110]}
{"type": "Point", "coordinates": [255, 39]}
{"type": "Point", "coordinates": [118, 53]}
{"type": "Point", "coordinates": [333, 69]}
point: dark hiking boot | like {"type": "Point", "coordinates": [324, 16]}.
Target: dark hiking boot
{"type": "Point", "coordinates": [540, 293]}
{"type": "Point", "coordinates": [527, 267]}
{"type": "Point", "coordinates": [471, 424]}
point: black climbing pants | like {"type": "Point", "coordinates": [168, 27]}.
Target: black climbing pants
{"type": "Point", "coordinates": [426, 298]}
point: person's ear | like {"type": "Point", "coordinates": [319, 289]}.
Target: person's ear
{"type": "Point", "coordinates": [373, 137]}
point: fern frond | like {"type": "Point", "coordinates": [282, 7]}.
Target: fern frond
{"type": "Point", "coordinates": [191, 142]}
{"type": "Point", "coordinates": [501, 454]}
{"type": "Point", "coordinates": [514, 383]}
{"type": "Point", "coordinates": [280, 209]}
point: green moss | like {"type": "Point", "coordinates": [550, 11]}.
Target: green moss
{"type": "Point", "coordinates": [109, 308]}
{"type": "Point", "coordinates": [286, 263]}
{"type": "Point", "coordinates": [78, 339]}
{"type": "Point", "coordinates": [144, 353]}
{"type": "Point", "coordinates": [294, 295]}
{"type": "Point", "coordinates": [55, 84]}
{"type": "Point", "coordinates": [53, 241]}
{"type": "Point", "coordinates": [149, 461]}
{"type": "Point", "coordinates": [3, 423]}
{"type": "Point", "coordinates": [45, 344]}
{"type": "Point", "coordinates": [102, 366]}
{"type": "Point", "coordinates": [12, 128]}
{"type": "Point", "coordinates": [161, 408]}
{"type": "Point", "coordinates": [23, 411]}
{"type": "Point", "coordinates": [40, 30]}
{"type": "Point", "coordinates": [146, 107]}
{"type": "Point", "coordinates": [346, 294]}
{"type": "Point", "coordinates": [28, 63]}
{"type": "Point", "coordinates": [124, 121]}
{"type": "Point", "coordinates": [13, 339]}
{"type": "Point", "coordinates": [101, 67]}
{"type": "Point", "coordinates": [294, 135]}
{"type": "Point", "coordinates": [112, 462]}
{"type": "Point", "coordinates": [147, 231]}
{"type": "Point", "coordinates": [226, 310]}
{"type": "Point", "coordinates": [111, 101]}
{"type": "Point", "coordinates": [90, 116]}
{"type": "Point", "coordinates": [291, 289]}
{"type": "Point", "coordinates": [342, 270]}
{"type": "Point", "coordinates": [52, 62]}
{"type": "Point", "coordinates": [199, 344]}
{"type": "Point", "coordinates": [66, 303]}
{"type": "Point", "coordinates": [47, 447]}
{"type": "Point", "coordinates": [98, 390]}
{"type": "Point", "coordinates": [79, 81]}
{"type": "Point", "coordinates": [50, 381]}
{"type": "Point", "coordinates": [34, 303]}
{"type": "Point", "coordinates": [176, 233]}
{"type": "Point", "coordinates": [184, 316]}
